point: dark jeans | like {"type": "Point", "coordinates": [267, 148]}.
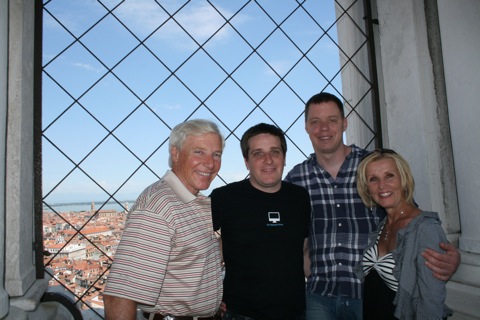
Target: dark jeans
{"type": "Point", "coordinates": [336, 308]}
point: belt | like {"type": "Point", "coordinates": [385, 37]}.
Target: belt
{"type": "Point", "coordinates": [159, 316]}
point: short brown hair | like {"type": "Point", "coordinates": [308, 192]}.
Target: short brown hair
{"type": "Point", "coordinates": [321, 98]}
{"type": "Point", "coordinates": [259, 129]}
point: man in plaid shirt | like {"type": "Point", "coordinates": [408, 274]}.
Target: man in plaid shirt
{"type": "Point", "coordinates": [341, 223]}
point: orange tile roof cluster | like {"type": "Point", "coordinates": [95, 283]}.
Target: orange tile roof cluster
{"type": "Point", "coordinates": [85, 277]}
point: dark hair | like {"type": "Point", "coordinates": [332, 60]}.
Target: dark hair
{"type": "Point", "coordinates": [259, 129]}
{"type": "Point", "coordinates": [324, 97]}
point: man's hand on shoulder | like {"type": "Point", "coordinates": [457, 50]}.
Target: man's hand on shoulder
{"type": "Point", "coordinates": [443, 265]}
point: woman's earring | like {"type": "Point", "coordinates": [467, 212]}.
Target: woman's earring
{"type": "Point", "coordinates": [371, 203]}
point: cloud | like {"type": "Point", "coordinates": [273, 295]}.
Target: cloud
{"type": "Point", "coordinates": [280, 66]}
{"type": "Point", "coordinates": [173, 107]}
{"type": "Point", "coordinates": [199, 19]}
{"type": "Point", "coordinates": [141, 13]}
{"type": "Point", "coordinates": [86, 66]}
{"type": "Point", "coordinates": [202, 21]}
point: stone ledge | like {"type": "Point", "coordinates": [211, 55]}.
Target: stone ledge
{"type": "Point", "coordinates": [464, 300]}
{"type": "Point", "coordinates": [468, 272]}
{"type": "Point", "coordinates": [16, 314]}
{"type": "Point", "coordinates": [31, 299]}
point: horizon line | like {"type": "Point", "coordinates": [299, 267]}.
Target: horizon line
{"type": "Point", "coordinates": [85, 202]}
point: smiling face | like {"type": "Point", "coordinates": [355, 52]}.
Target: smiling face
{"type": "Point", "coordinates": [384, 183]}
{"type": "Point", "coordinates": [198, 162]}
{"type": "Point", "coordinates": [325, 126]}
{"type": "Point", "coordinates": [265, 162]}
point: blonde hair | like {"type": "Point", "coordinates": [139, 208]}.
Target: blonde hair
{"type": "Point", "coordinates": [406, 177]}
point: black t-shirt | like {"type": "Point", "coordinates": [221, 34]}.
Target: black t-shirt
{"type": "Point", "coordinates": [262, 237]}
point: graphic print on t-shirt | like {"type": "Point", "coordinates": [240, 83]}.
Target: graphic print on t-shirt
{"type": "Point", "coordinates": [274, 219]}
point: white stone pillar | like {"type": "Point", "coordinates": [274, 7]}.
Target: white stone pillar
{"type": "Point", "coordinates": [414, 112]}
{"type": "Point", "coordinates": [412, 108]}
{"type": "Point", "coordinates": [461, 44]}
{"type": "Point", "coordinates": [3, 125]}
{"type": "Point", "coordinates": [19, 266]}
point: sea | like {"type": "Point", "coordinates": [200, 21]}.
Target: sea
{"type": "Point", "coordinates": [87, 206]}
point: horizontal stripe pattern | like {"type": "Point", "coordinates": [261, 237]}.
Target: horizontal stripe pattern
{"type": "Point", "coordinates": [168, 259]}
{"type": "Point", "coordinates": [383, 265]}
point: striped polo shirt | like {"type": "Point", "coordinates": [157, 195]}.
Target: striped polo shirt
{"type": "Point", "coordinates": [168, 259]}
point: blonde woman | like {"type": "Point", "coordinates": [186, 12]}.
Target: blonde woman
{"type": "Point", "coordinates": [397, 283]}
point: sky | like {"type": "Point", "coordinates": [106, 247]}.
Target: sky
{"type": "Point", "coordinates": [118, 75]}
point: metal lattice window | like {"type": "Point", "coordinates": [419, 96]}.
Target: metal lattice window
{"type": "Point", "coordinates": [118, 75]}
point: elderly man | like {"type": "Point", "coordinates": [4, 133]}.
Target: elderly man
{"type": "Point", "coordinates": [168, 261]}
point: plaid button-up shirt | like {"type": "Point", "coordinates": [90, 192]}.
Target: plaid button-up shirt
{"type": "Point", "coordinates": [339, 226]}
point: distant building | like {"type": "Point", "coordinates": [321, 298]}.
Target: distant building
{"type": "Point", "coordinates": [71, 251]}
{"type": "Point", "coordinates": [108, 214]}
{"type": "Point", "coordinates": [96, 231]}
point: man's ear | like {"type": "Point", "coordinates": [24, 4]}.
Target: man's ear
{"type": "Point", "coordinates": [174, 154]}
{"type": "Point", "coordinates": [345, 124]}
{"type": "Point", "coordinates": [246, 164]}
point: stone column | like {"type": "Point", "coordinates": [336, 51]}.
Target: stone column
{"type": "Point", "coordinates": [19, 266]}
{"type": "Point", "coordinates": [460, 41]}
{"type": "Point", "coordinates": [3, 125]}
{"type": "Point", "coordinates": [419, 95]}
{"type": "Point", "coordinates": [413, 105]}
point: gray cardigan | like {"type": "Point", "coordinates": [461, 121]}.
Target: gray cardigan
{"type": "Point", "coordinates": [420, 295]}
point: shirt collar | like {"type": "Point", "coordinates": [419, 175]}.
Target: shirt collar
{"type": "Point", "coordinates": [179, 188]}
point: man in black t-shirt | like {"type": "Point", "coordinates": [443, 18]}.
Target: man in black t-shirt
{"type": "Point", "coordinates": [264, 225]}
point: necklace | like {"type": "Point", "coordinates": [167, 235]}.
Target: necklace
{"type": "Point", "coordinates": [385, 236]}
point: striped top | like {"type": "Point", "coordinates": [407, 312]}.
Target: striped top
{"type": "Point", "coordinates": [168, 259]}
{"type": "Point", "coordinates": [384, 265]}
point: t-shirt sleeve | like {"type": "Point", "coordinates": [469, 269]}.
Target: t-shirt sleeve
{"type": "Point", "coordinates": [307, 212]}
{"type": "Point", "coordinates": [215, 212]}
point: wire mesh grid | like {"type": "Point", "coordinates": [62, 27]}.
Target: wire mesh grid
{"type": "Point", "coordinates": [118, 75]}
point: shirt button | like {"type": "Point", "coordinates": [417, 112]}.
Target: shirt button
{"type": "Point", "coordinates": [338, 206]}
{"type": "Point", "coordinates": [340, 264]}
{"type": "Point", "coordinates": [340, 224]}
{"type": "Point", "coordinates": [339, 244]}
